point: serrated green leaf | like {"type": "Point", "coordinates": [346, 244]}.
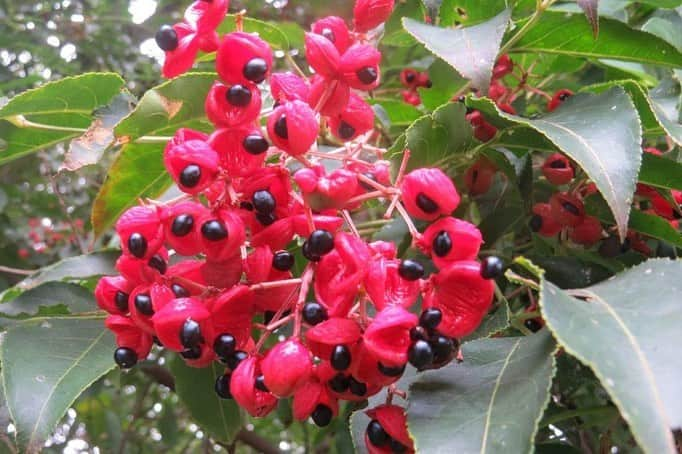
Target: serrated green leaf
{"type": "Point", "coordinates": [48, 299]}
{"type": "Point", "coordinates": [661, 172]}
{"type": "Point", "coordinates": [268, 32]}
{"type": "Point", "coordinates": [665, 102]}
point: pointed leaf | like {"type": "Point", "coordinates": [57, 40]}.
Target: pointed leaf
{"type": "Point", "coordinates": [49, 299]}
{"type": "Point", "coordinates": [590, 7]}
{"type": "Point", "coordinates": [665, 101]}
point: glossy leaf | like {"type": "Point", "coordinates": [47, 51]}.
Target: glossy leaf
{"type": "Point", "coordinates": [661, 172]}
{"type": "Point", "coordinates": [467, 12]}
{"type": "Point", "coordinates": [46, 364]}
{"type": "Point", "coordinates": [665, 101]}
{"type": "Point", "coordinates": [49, 299]}
{"type": "Point", "coordinates": [630, 342]}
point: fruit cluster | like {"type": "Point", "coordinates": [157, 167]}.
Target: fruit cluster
{"type": "Point", "coordinates": [412, 79]}
{"type": "Point", "coordinates": [264, 237]}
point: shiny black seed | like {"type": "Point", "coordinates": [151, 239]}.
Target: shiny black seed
{"type": "Point", "coordinates": [314, 313]}
{"type": "Point", "coordinates": [246, 206]}
{"type": "Point", "coordinates": [533, 325]}
{"type": "Point", "coordinates": [340, 359]}
{"type": "Point", "coordinates": [377, 435]}
{"type": "Point", "coordinates": [234, 359]}
{"type": "Point", "coordinates": [224, 345]}
{"type": "Point", "coordinates": [564, 96]}
{"type": "Point", "coordinates": [322, 415]}
{"type": "Point", "coordinates": [420, 354]}
{"type": "Point", "coordinates": [329, 34]}
{"type": "Point", "coordinates": [283, 261]}
{"type": "Point", "coordinates": [568, 206]}
{"type": "Point", "coordinates": [238, 96]}
{"type": "Point", "coordinates": [339, 383]}
{"type": "Point", "coordinates": [396, 371]}
{"type": "Point", "coordinates": [367, 75]}
{"type": "Point", "coordinates": [320, 242]}
{"type": "Point", "coordinates": [410, 76]}
{"type": "Point", "coordinates": [125, 358]}
{"type": "Point", "coordinates": [442, 347]}
{"type": "Point", "coordinates": [535, 223]}
{"type": "Point", "coordinates": [158, 263]}
{"type": "Point", "coordinates": [431, 318]}
{"type": "Point", "coordinates": [397, 447]}
{"type": "Point", "coordinates": [305, 250]}
{"type": "Point", "coordinates": [182, 225]}
{"type": "Point", "coordinates": [190, 176]}
{"type": "Point", "coordinates": [558, 164]}
{"type": "Point", "coordinates": [418, 333]}
{"type": "Point", "coordinates": [166, 38]}
{"type": "Point", "coordinates": [179, 291]}
{"type": "Point", "coordinates": [426, 204]}
{"type": "Point", "coordinates": [137, 245]}
{"type": "Point", "coordinates": [190, 335]}
{"type": "Point", "coordinates": [260, 384]}
{"type": "Point", "coordinates": [121, 301]}
{"type": "Point", "coordinates": [346, 131]}
{"type": "Point", "coordinates": [357, 388]}
{"type": "Point", "coordinates": [492, 267]}
{"type": "Point", "coordinates": [442, 244]}
{"type": "Point", "coordinates": [143, 304]}
{"type": "Point", "coordinates": [266, 219]}
{"type": "Point", "coordinates": [281, 127]}
{"type": "Point", "coordinates": [410, 270]}
{"type": "Point", "coordinates": [214, 230]}
{"type": "Point", "coordinates": [256, 70]}
{"type": "Point", "coordinates": [222, 387]}
{"type": "Point", "coordinates": [255, 144]}
{"type": "Point", "coordinates": [192, 353]}
{"type": "Point", "coordinates": [263, 202]}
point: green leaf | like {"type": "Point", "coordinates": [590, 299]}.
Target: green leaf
{"type": "Point", "coordinates": [195, 387]}
{"type": "Point", "coordinates": [472, 51]}
{"type": "Point", "coordinates": [49, 299]}
{"type": "Point", "coordinates": [665, 101]}
{"type": "Point", "coordinates": [667, 26]}
{"type": "Point", "coordinates": [46, 364]}
{"type": "Point", "coordinates": [496, 321]}
{"type": "Point", "coordinates": [395, 113]}
{"type": "Point", "coordinates": [600, 132]}
{"type": "Point", "coordinates": [661, 172]}
{"type": "Point", "coordinates": [267, 31]}
{"type": "Point", "coordinates": [490, 403]}
{"type": "Point", "coordinates": [590, 8]}
{"type": "Point", "coordinates": [631, 343]}
{"type": "Point", "coordinates": [616, 40]}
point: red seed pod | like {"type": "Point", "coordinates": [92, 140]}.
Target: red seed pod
{"type": "Point", "coordinates": [192, 163]}
{"type": "Point", "coordinates": [322, 191]}
{"type": "Point", "coordinates": [388, 336]}
{"type": "Point", "coordinates": [567, 209]}
{"type": "Point", "coordinates": [497, 91]}
{"type": "Point", "coordinates": [243, 388]}
{"type": "Point", "coordinates": [185, 319]}
{"type": "Point", "coordinates": [393, 421]}
{"type": "Point", "coordinates": [558, 98]}
{"type": "Point", "coordinates": [206, 16]}
{"type": "Point", "coordinates": [287, 86]}
{"type": "Point", "coordinates": [286, 367]}
{"type": "Point", "coordinates": [328, 102]}
{"type": "Point", "coordinates": [661, 205]}
{"type": "Point", "coordinates": [320, 222]}
{"type": "Point", "coordinates": [232, 146]}
{"type": "Point", "coordinates": [181, 58]}
{"type": "Point", "coordinates": [369, 14]}
{"type": "Point", "coordinates": [113, 294]}
{"type": "Point", "coordinates": [653, 151]}
{"type": "Point", "coordinates": [503, 66]}
{"type": "Point", "coordinates": [506, 107]}
{"type": "Point", "coordinates": [385, 287]}
{"type": "Point", "coordinates": [141, 231]}
{"type": "Point", "coordinates": [277, 235]}
{"type": "Point", "coordinates": [222, 233]}
{"type": "Point", "coordinates": [543, 222]}
{"type": "Point", "coordinates": [140, 271]}
{"type": "Point", "coordinates": [485, 132]}
{"type": "Point", "coordinates": [450, 240]}
{"type": "Point", "coordinates": [311, 395]}
{"type": "Point", "coordinates": [428, 193]}
{"type": "Point", "coordinates": [322, 55]}
{"type": "Point", "coordinates": [259, 268]}
{"type": "Point", "coordinates": [587, 232]}
{"type": "Point", "coordinates": [367, 368]}
{"type": "Point", "coordinates": [233, 105]}
{"type": "Point", "coordinates": [360, 67]}
{"type": "Point", "coordinates": [558, 169]}
{"type": "Point", "coordinates": [479, 177]}
{"type": "Point", "coordinates": [182, 227]}
{"type": "Point", "coordinates": [232, 312]}
{"type": "Point", "coordinates": [335, 30]}
{"type": "Point", "coordinates": [340, 273]}
{"type": "Point", "coordinates": [244, 59]}
{"type": "Point", "coordinates": [273, 182]}
{"type": "Point", "coordinates": [323, 337]}
{"type": "Point", "coordinates": [411, 97]}
{"type": "Point", "coordinates": [356, 119]}
{"type": "Point", "coordinates": [293, 127]}
{"type": "Point", "coordinates": [423, 80]}
{"type": "Point", "coordinates": [409, 78]}
{"type": "Point", "coordinates": [145, 300]}
{"type": "Point", "coordinates": [129, 335]}
{"type": "Point", "coordinates": [188, 270]}
{"type": "Point", "coordinates": [462, 295]}
{"type": "Point", "coordinates": [222, 273]}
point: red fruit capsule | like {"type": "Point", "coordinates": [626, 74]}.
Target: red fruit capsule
{"type": "Point", "coordinates": [293, 127]}
{"type": "Point", "coordinates": [392, 421]}
{"type": "Point", "coordinates": [259, 268]}
{"type": "Point", "coordinates": [558, 98]}
{"type": "Point", "coordinates": [243, 388]}
{"type": "Point", "coordinates": [385, 287]}
{"type": "Point", "coordinates": [190, 161]}
{"type": "Point", "coordinates": [129, 335]}
{"type": "Point", "coordinates": [356, 119]}
{"type": "Point", "coordinates": [322, 191]}
{"type": "Point", "coordinates": [141, 231]}
{"type": "Point", "coordinates": [388, 336]}
{"type": "Point", "coordinates": [182, 227]}
{"type": "Point", "coordinates": [310, 397]}
{"type": "Point", "coordinates": [409, 78]}
{"type": "Point", "coordinates": [503, 66]}
{"type": "Point", "coordinates": [567, 209]}
{"type": "Point", "coordinates": [322, 55]}
{"type": "Point", "coordinates": [113, 294]}
{"type": "Point", "coordinates": [244, 59]}
{"type": "Point", "coordinates": [558, 169]}
{"type": "Point", "coordinates": [222, 233]}
{"type": "Point", "coordinates": [233, 105]}
{"type": "Point", "coordinates": [428, 193]}
{"type": "Point", "coordinates": [286, 367]}
{"type": "Point", "coordinates": [241, 151]}
{"type": "Point", "coordinates": [142, 271]}
{"type": "Point", "coordinates": [423, 80]}
{"type": "Point", "coordinates": [587, 232]}
{"type": "Point", "coordinates": [287, 86]}
{"type": "Point", "coordinates": [145, 300]}
{"type": "Point", "coordinates": [335, 30]}
{"type": "Point", "coordinates": [360, 67]}
{"type": "Point", "coordinates": [323, 337]}
{"type": "Point", "coordinates": [479, 177]}
{"type": "Point", "coordinates": [232, 312]}
{"type": "Point", "coordinates": [497, 91]}
{"type": "Point", "coordinates": [206, 16]}
{"type": "Point", "coordinates": [450, 240]}
{"type": "Point", "coordinates": [369, 14]}
{"type": "Point", "coordinates": [329, 97]}
{"type": "Point", "coordinates": [543, 222]}
{"type": "Point", "coordinates": [181, 321]}
{"type": "Point", "coordinates": [182, 50]}
{"type": "Point", "coordinates": [411, 97]}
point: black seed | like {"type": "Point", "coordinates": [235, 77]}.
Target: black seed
{"type": "Point", "coordinates": [492, 267]}
{"type": "Point", "coordinates": [564, 96]}
{"type": "Point", "coordinates": [255, 70]}
{"type": "Point", "coordinates": [137, 245]}
{"type": "Point", "coordinates": [396, 371]}
{"type": "Point", "coordinates": [255, 144]}
{"type": "Point", "coordinates": [192, 353]}
{"type": "Point", "coordinates": [121, 301]}
{"type": "Point", "coordinates": [418, 333]}
{"type": "Point", "coordinates": [431, 318]}
{"type": "Point", "coordinates": [234, 359]}
{"type": "Point", "coordinates": [329, 34]}
{"type": "Point", "coordinates": [426, 204]}
{"type": "Point", "coordinates": [339, 383]}
{"type": "Point", "coordinates": [266, 219]}
{"type": "Point", "coordinates": [420, 354]}
{"type": "Point", "coordinates": [238, 96]}
{"type": "Point", "coordinates": [158, 263]}
{"type": "Point", "coordinates": [224, 345]}
{"type": "Point", "coordinates": [190, 335]}
{"type": "Point", "coordinates": [442, 244]}
{"type": "Point", "coordinates": [568, 206]}
{"type": "Point", "coordinates": [346, 131]}
{"type": "Point", "coordinates": [558, 164]}
{"type": "Point", "coordinates": [283, 261]}
{"type": "Point", "coordinates": [397, 447]}
{"type": "Point", "coordinates": [357, 388]}
{"type": "Point", "coordinates": [314, 313]}
{"type": "Point", "coordinates": [281, 127]}
{"type": "Point", "coordinates": [167, 38]}
{"type": "Point", "coordinates": [222, 387]}
{"type": "Point", "coordinates": [410, 270]}
{"type": "Point", "coordinates": [442, 347]}
{"type": "Point", "coordinates": [367, 75]}
{"type": "Point", "coordinates": [533, 325]}
{"type": "Point", "coordinates": [322, 415]}
{"type": "Point", "coordinates": [214, 230]}
{"type": "Point", "coordinates": [260, 384]}
{"type": "Point", "coordinates": [320, 242]}
{"type": "Point", "coordinates": [190, 176]}
{"type": "Point", "coordinates": [410, 76]}
{"type": "Point", "coordinates": [377, 435]}
{"type": "Point", "coordinates": [143, 304]}
{"type": "Point", "coordinates": [428, 84]}
{"type": "Point", "coordinates": [182, 225]}
{"type": "Point", "coordinates": [305, 250]}
{"type": "Point", "coordinates": [246, 206]}
{"type": "Point", "coordinates": [125, 358]}
{"type": "Point", "coordinates": [179, 291]}
{"type": "Point", "coordinates": [535, 223]}
{"type": "Point", "coordinates": [263, 202]}
{"type": "Point", "coordinates": [340, 359]}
